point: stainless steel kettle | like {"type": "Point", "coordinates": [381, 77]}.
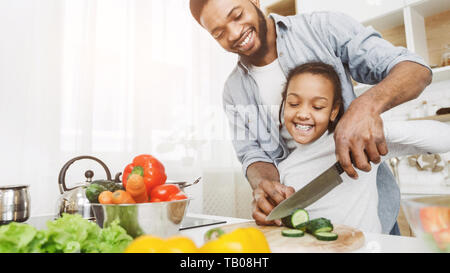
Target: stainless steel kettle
{"type": "Point", "coordinates": [73, 200]}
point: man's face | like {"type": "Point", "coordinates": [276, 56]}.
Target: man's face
{"type": "Point", "coordinates": [238, 25]}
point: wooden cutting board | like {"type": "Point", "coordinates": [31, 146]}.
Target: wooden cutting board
{"type": "Point", "coordinates": [349, 239]}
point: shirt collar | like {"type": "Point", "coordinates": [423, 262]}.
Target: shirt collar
{"type": "Point", "coordinates": [280, 21]}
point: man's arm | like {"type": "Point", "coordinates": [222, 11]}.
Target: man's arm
{"type": "Point", "coordinates": [398, 76]}
{"type": "Point", "coordinates": [404, 82]}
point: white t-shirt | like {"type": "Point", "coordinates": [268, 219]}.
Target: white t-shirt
{"type": "Point", "coordinates": [271, 81]}
{"type": "Point", "coordinates": [355, 202]}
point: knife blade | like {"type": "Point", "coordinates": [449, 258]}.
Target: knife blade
{"type": "Point", "coordinates": [310, 193]}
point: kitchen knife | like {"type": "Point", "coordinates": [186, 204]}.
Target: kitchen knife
{"type": "Point", "coordinates": [310, 193]}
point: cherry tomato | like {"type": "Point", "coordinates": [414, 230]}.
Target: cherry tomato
{"type": "Point", "coordinates": [178, 196]}
{"type": "Point", "coordinates": [164, 192]}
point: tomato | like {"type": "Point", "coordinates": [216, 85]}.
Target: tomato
{"type": "Point", "coordinates": [178, 196]}
{"type": "Point", "coordinates": [164, 192]}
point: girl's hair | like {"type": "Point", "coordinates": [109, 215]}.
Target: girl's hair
{"type": "Point", "coordinates": [325, 70]}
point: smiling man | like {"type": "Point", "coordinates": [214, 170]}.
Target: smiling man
{"type": "Point", "coordinates": [268, 48]}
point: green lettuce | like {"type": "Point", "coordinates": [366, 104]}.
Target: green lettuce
{"type": "Point", "coordinates": [68, 234]}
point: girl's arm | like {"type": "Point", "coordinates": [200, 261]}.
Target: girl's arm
{"type": "Point", "coordinates": [416, 137]}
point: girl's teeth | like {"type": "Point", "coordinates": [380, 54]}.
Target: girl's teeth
{"type": "Point", "coordinates": [303, 127]}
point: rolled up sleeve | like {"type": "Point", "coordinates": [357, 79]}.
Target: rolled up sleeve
{"type": "Point", "coordinates": [369, 57]}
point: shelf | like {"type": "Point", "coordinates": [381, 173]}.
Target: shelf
{"type": "Point", "coordinates": [442, 118]}
{"type": "Point", "coordinates": [424, 190]}
{"type": "Point", "coordinates": [431, 7]}
{"type": "Point", "coordinates": [386, 21]}
{"type": "Point", "coordinates": [282, 7]}
{"type": "Point", "coordinates": [439, 74]}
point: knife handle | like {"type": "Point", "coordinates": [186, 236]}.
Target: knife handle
{"type": "Point", "coordinates": [339, 168]}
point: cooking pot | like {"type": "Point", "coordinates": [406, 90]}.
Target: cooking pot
{"type": "Point", "coordinates": [14, 203]}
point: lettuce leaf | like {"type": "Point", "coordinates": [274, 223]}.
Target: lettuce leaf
{"type": "Point", "coordinates": [68, 234]}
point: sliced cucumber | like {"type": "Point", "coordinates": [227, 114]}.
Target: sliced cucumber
{"type": "Point", "coordinates": [319, 225]}
{"type": "Point", "coordinates": [292, 233]}
{"type": "Point", "coordinates": [326, 236]}
{"type": "Point", "coordinates": [298, 217]}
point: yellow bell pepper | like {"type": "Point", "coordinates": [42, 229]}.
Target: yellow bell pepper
{"type": "Point", "coordinates": [240, 240]}
{"type": "Point", "coordinates": [153, 244]}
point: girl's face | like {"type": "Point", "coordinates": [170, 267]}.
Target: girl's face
{"type": "Point", "coordinates": [309, 107]}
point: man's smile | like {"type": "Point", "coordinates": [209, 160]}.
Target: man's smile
{"type": "Point", "coordinates": [246, 42]}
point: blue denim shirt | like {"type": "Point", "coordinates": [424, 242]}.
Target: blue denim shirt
{"type": "Point", "coordinates": [354, 51]}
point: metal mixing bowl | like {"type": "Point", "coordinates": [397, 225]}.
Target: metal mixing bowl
{"type": "Point", "coordinates": [161, 219]}
{"type": "Point", "coordinates": [429, 218]}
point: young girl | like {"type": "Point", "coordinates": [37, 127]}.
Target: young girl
{"type": "Point", "coordinates": [311, 107]}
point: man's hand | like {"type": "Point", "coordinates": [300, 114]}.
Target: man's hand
{"type": "Point", "coordinates": [359, 135]}
{"type": "Point", "coordinates": [359, 138]}
{"type": "Point", "coordinates": [266, 196]}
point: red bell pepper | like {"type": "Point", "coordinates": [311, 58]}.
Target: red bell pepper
{"type": "Point", "coordinates": [148, 167]}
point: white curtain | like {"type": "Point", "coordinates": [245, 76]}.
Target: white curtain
{"type": "Point", "coordinates": [114, 79]}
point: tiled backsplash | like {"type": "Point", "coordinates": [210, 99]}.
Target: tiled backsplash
{"type": "Point", "coordinates": [412, 180]}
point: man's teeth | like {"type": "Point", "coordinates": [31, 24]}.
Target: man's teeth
{"type": "Point", "coordinates": [303, 127]}
{"type": "Point", "coordinates": [246, 40]}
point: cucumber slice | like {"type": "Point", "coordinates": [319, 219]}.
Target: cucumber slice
{"type": "Point", "coordinates": [298, 217]}
{"type": "Point", "coordinates": [319, 225]}
{"type": "Point", "coordinates": [326, 236]}
{"type": "Point", "coordinates": [292, 233]}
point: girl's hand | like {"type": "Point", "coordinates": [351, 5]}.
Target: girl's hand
{"type": "Point", "coordinates": [266, 196]}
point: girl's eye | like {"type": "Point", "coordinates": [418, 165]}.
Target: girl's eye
{"type": "Point", "coordinates": [318, 107]}
{"type": "Point", "coordinates": [293, 104]}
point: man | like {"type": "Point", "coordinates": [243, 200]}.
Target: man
{"type": "Point", "coordinates": [268, 47]}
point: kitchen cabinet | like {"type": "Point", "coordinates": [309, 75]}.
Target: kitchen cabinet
{"type": "Point", "coordinates": [422, 26]}
{"type": "Point", "coordinates": [360, 10]}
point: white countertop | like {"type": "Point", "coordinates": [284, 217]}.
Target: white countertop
{"type": "Point", "coordinates": [374, 243]}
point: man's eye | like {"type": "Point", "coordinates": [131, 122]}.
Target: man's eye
{"type": "Point", "coordinates": [218, 36]}
{"type": "Point", "coordinates": [239, 16]}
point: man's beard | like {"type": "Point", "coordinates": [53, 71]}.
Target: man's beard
{"type": "Point", "coordinates": [264, 48]}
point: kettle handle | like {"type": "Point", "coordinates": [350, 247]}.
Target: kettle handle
{"type": "Point", "coordinates": [62, 173]}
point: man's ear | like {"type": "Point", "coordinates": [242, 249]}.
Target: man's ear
{"type": "Point", "coordinates": [256, 2]}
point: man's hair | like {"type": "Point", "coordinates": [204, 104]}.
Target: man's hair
{"type": "Point", "coordinates": [325, 70]}
{"type": "Point", "coordinates": [196, 7]}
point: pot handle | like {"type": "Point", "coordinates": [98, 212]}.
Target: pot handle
{"type": "Point", "coordinates": [62, 173]}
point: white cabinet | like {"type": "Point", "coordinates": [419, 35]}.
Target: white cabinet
{"type": "Point", "coordinates": [361, 10]}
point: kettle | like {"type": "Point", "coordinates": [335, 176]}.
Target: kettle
{"type": "Point", "coordinates": [74, 200]}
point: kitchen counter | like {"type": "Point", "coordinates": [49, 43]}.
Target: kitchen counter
{"type": "Point", "coordinates": [374, 243]}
